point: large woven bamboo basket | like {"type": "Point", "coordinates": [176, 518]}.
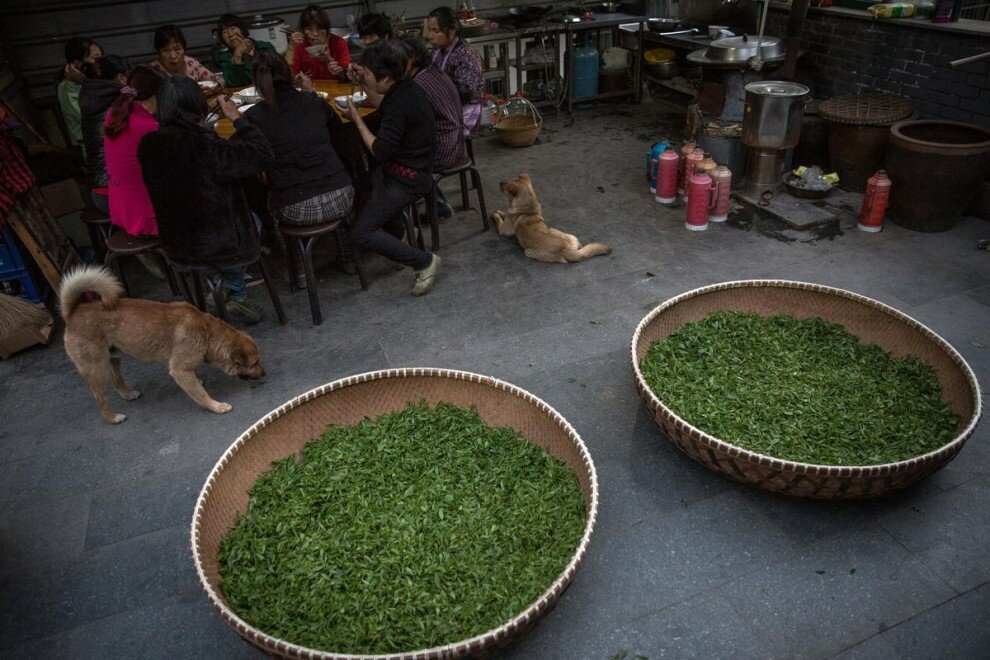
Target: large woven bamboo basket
{"type": "Point", "coordinates": [519, 130]}
{"type": "Point", "coordinates": [284, 431]}
{"type": "Point", "coordinates": [873, 322]}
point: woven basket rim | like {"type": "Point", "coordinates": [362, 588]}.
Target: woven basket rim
{"type": "Point", "coordinates": [507, 630]}
{"type": "Point", "coordinates": [811, 468]}
{"type": "Point", "coordinates": [528, 127]}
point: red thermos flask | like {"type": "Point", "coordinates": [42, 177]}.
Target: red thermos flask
{"type": "Point", "coordinates": [875, 201]}
{"type": "Point", "coordinates": [667, 176]}
{"type": "Point", "coordinates": [722, 181]}
{"type": "Point", "coordinates": [698, 200]}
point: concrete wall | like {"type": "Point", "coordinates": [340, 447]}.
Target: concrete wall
{"type": "Point", "coordinates": [846, 53]}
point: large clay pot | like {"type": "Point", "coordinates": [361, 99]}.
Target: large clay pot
{"type": "Point", "coordinates": [937, 168]}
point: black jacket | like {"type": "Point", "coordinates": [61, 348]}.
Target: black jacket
{"type": "Point", "coordinates": [406, 142]}
{"type": "Point", "coordinates": [95, 98]}
{"type": "Point", "coordinates": [194, 182]}
{"type": "Point", "coordinates": [298, 128]}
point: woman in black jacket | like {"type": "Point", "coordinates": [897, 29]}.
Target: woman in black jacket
{"type": "Point", "coordinates": [95, 98]}
{"type": "Point", "coordinates": [194, 182]}
{"type": "Point", "coordinates": [405, 146]}
{"type": "Point", "coordinates": [308, 181]}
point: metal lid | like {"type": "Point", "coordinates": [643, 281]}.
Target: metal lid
{"type": "Point", "coordinates": [776, 88]}
{"type": "Point", "coordinates": [865, 109]}
{"type": "Point", "coordinates": [264, 21]}
{"type": "Point", "coordinates": [736, 51]}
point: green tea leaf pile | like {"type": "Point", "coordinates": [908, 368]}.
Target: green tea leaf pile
{"type": "Point", "coordinates": [417, 529]}
{"type": "Point", "coordinates": [800, 390]}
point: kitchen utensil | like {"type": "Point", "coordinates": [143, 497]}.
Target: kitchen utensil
{"type": "Point", "coordinates": [790, 182]}
{"type": "Point", "coordinates": [737, 51]}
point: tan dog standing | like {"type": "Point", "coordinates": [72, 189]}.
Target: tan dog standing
{"type": "Point", "coordinates": [176, 334]}
{"type": "Point", "coordinates": [524, 220]}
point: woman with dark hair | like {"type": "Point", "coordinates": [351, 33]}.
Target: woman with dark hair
{"type": "Point", "coordinates": [373, 27]}
{"type": "Point", "coordinates": [170, 44]}
{"type": "Point", "coordinates": [459, 60]}
{"type": "Point", "coordinates": [405, 146]}
{"type": "Point", "coordinates": [131, 117]}
{"type": "Point", "coordinates": [80, 57]}
{"type": "Point", "coordinates": [314, 30]}
{"type": "Point", "coordinates": [95, 98]}
{"type": "Point", "coordinates": [193, 177]}
{"type": "Point", "coordinates": [237, 62]}
{"type": "Point", "coordinates": [309, 184]}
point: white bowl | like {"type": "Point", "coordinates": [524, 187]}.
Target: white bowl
{"type": "Point", "coordinates": [357, 98]}
{"type": "Point", "coordinates": [315, 51]}
{"type": "Point", "coordinates": [208, 86]}
{"type": "Point", "coordinates": [245, 108]}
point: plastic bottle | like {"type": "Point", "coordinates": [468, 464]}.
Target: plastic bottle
{"type": "Point", "coordinates": [489, 115]}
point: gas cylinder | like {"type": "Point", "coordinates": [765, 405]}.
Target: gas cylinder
{"type": "Point", "coordinates": [722, 183]}
{"type": "Point", "coordinates": [585, 74]}
{"type": "Point", "coordinates": [667, 176]}
{"type": "Point", "coordinates": [691, 163]}
{"type": "Point", "coordinates": [653, 162]}
{"type": "Point", "coordinates": [875, 201]}
{"type": "Point", "coordinates": [698, 200]}
{"type": "Point", "coordinates": [686, 149]}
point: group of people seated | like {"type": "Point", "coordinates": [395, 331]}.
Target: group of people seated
{"type": "Point", "coordinates": [157, 169]}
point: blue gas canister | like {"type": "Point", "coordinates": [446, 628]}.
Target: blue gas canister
{"type": "Point", "coordinates": [585, 74]}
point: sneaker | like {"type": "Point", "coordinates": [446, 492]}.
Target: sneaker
{"type": "Point", "coordinates": [243, 311]}
{"type": "Point", "coordinates": [426, 277]}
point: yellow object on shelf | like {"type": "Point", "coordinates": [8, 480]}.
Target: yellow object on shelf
{"type": "Point", "coordinates": [895, 10]}
{"type": "Point", "coordinates": [659, 55]}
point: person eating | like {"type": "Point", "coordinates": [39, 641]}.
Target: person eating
{"type": "Point", "coordinates": [373, 27]}
{"type": "Point", "coordinates": [170, 44]}
{"type": "Point", "coordinates": [81, 55]}
{"type": "Point", "coordinates": [459, 60]}
{"type": "Point", "coordinates": [237, 62]}
{"type": "Point", "coordinates": [332, 60]}
{"type": "Point", "coordinates": [405, 146]}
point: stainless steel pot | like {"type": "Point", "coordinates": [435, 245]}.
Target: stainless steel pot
{"type": "Point", "coordinates": [664, 70]}
{"type": "Point", "coordinates": [773, 113]}
{"type": "Point", "coordinates": [737, 51]}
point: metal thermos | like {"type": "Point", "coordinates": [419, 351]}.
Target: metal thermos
{"type": "Point", "coordinates": [698, 201]}
{"type": "Point", "coordinates": [875, 202]}
{"type": "Point", "coordinates": [686, 150]}
{"type": "Point", "coordinates": [691, 163]}
{"type": "Point", "coordinates": [667, 176]}
{"type": "Point", "coordinates": [722, 182]}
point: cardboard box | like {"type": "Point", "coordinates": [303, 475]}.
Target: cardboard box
{"type": "Point", "coordinates": [25, 339]}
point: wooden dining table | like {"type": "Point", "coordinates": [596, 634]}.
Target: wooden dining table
{"type": "Point", "coordinates": [332, 88]}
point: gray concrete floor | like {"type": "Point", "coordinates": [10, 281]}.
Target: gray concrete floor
{"type": "Point", "coordinates": [94, 542]}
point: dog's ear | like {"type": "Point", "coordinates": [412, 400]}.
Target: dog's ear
{"type": "Point", "coordinates": [512, 188]}
{"type": "Point", "coordinates": [240, 358]}
{"type": "Point", "coordinates": [524, 177]}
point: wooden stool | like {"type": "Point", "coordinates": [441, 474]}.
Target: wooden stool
{"type": "Point", "coordinates": [121, 244]}
{"type": "Point", "coordinates": [98, 227]}
{"type": "Point", "coordinates": [305, 237]}
{"type": "Point", "coordinates": [432, 214]}
{"type": "Point", "coordinates": [194, 293]}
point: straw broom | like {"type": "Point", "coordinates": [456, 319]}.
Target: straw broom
{"type": "Point", "coordinates": [17, 315]}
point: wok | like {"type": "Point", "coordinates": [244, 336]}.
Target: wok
{"type": "Point", "coordinates": [663, 24]}
{"type": "Point", "coordinates": [522, 14]}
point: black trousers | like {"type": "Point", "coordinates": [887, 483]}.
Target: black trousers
{"type": "Point", "coordinates": [379, 224]}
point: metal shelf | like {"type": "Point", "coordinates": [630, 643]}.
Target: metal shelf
{"type": "Point", "coordinates": [514, 63]}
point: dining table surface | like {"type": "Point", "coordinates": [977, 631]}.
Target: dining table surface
{"type": "Point", "coordinates": [332, 88]}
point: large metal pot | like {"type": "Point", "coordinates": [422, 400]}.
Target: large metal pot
{"type": "Point", "coordinates": [772, 114]}
{"type": "Point", "coordinates": [270, 29]}
{"type": "Point", "coordinates": [738, 51]}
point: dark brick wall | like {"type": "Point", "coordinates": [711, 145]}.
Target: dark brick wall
{"type": "Point", "coordinates": [850, 55]}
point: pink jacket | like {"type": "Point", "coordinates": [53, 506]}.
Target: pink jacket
{"type": "Point", "coordinates": [130, 207]}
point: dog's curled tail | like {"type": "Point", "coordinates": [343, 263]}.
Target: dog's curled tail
{"type": "Point", "coordinates": [587, 251]}
{"type": "Point", "coordinates": [88, 279]}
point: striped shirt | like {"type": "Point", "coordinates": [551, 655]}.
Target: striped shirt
{"type": "Point", "coordinates": [446, 104]}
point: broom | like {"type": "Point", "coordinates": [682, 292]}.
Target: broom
{"type": "Point", "coordinates": [17, 315]}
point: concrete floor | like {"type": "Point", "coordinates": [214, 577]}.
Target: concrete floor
{"type": "Point", "coordinates": [94, 542]}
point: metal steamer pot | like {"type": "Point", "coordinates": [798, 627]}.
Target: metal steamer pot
{"type": "Point", "coordinates": [773, 113]}
{"type": "Point", "coordinates": [739, 51]}
{"type": "Point", "coordinates": [269, 28]}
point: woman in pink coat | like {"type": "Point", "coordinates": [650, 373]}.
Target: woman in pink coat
{"type": "Point", "coordinates": [129, 119]}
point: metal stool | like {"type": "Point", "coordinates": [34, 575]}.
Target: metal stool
{"type": "Point", "coordinates": [194, 293]}
{"type": "Point", "coordinates": [121, 244]}
{"type": "Point", "coordinates": [305, 237]}
{"type": "Point", "coordinates": [462, 170]}
{"type": "Point", "coordinates": [98, 226]}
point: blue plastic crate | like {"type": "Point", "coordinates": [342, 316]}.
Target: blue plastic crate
{"type": "Point", "coordinates": [10, 256]}
{"type": "Point", "coordinates": [19, 283]}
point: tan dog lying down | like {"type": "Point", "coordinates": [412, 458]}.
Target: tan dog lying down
{"type": "Point", "coordinates": [539, 241]}
{"type": "Point", "coordinates": [176, 334]}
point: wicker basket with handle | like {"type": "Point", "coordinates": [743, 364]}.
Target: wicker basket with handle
{"type": "Point", "coordinates": [519, 130]}
{"type": "Point", "coordinates": [284, 431]}
{"type": "Point", "coordinates": [871, 321]}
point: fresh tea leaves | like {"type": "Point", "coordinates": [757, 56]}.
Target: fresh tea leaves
{"type": "Point", "coordinates": [804, 391]}
{"type": "Point", "coordinates": [417, 529]}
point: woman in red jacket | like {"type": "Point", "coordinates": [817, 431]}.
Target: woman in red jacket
{"type": "Point", "coordinates": [314, 30]}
